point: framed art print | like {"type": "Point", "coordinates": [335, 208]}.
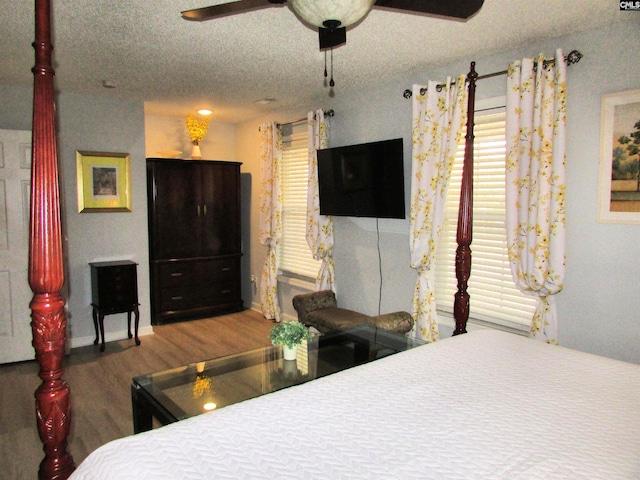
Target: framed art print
{"type": "Point", "coordinates": [103, 182]}
{"type": "Point", "coordinates": [619, 183]}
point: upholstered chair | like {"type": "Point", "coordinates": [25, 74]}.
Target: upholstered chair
{"type": "Point", "coordinates": [320, 310]}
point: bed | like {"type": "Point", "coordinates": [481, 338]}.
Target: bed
{"type": "Point", "coordinates": [471, 406]}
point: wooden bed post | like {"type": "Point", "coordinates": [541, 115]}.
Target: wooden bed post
{"type": "Point", "coordinates": [46, 275]}
{"type": "Point", "coordinates": [465, 216]}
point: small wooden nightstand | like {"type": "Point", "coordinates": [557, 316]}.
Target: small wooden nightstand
{"type": "Point", "coordinates": [114, 289]}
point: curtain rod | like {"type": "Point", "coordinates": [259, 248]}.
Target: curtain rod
{"type": "Point", "coordinates": [327, 113]}
{"type": "Point", "coordinates": [574, 56]}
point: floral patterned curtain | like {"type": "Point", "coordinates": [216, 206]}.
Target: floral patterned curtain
{"type": "Point", "coordinates": [439, 117]}
{"type": "Point", "coordinates": [535, 189]}
{"type": "Point", "coordinates": [270, 230]}
{"type": "Point", "coordinates": [319, 227]}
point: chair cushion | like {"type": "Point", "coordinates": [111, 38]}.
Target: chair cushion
{"type": "Point", "coordinates": [399, 322]}
{"type": "Point", "coordinates": [308, 302]}
{"type": "Point", "coordinates": [330, 319]}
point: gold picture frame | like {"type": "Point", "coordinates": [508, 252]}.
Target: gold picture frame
{"type": "Point", "coordinates": [103, 182]}
{"type": "Point", "coordinates": [619, 183]}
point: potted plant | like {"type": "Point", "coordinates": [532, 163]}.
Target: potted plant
{"type": "Point", "coordinates": [289, 335]}
{"type": "Point", "coordinates": [197, 132]}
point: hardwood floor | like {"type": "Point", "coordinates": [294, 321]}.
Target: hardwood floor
{"type": "Point", "coordinates": [99, 382]}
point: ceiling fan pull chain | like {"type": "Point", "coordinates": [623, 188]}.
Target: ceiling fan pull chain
{"type": "Point", "coordinates": [325, 67]}
{"type": "Point", "coordinates": [331, 82]}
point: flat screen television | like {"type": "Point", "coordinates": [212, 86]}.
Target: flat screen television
{"type": "Point", "coordinates": [365, 180]}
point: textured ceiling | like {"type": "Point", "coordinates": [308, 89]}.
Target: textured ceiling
{"type": "Point", "coordinates": [228, 64]}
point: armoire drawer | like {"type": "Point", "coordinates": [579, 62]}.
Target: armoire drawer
{"type": "Point", "coordinates": [179, 298]}
{"type": "Point", "coordinates": [179, 274]}
{"type": "Point", "coordinates": [189, 297]}
{"type": "Point", "coordinates": [222, 292]}
{"type": "Point", "coordinates": [220, 269]}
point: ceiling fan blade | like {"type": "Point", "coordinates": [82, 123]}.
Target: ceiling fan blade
{"type": "Point", "coordinates": [445, 8]}
{"type": "Point", "coordinates": [231, 8]}
{"type": "Point", "coordinates": [332, 37]}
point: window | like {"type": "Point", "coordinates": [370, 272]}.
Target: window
{"type": "Point", "coordinates": [494, 297]}
{"type": "Point", "coordinates": [294, 253]}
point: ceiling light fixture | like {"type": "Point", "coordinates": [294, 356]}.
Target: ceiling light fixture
{"type": "Point", "coordinates": [205, 111]}
{"type": "Point", "coordinates": [332, 18]}
{"type": "Point", "coordinates": [340, 13]}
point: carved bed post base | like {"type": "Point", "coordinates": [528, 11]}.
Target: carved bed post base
{"type": "Point", "coordinates": [461, 297]}
{"type": "Point", "coordinates": [48, 324]}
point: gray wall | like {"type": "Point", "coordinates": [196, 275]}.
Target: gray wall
{"type": "Point", "coordinates": [102, 124]}
{"type": "Point", "coordinates": [599, 306]}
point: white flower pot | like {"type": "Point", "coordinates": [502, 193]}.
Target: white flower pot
{"type": "Point", "coordinates": [289, 353]}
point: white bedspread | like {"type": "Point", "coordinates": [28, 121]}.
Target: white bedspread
{"type": "Point", "coordinates": [486, 405]}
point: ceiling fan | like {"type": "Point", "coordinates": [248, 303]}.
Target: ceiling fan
{"type": "Point", "coordinates": [332, 18]}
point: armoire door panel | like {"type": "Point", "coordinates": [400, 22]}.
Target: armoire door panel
{"type": "Point", "coordinates": [220, 194]}
{"type": "Point", "coordinates": [176, 221]}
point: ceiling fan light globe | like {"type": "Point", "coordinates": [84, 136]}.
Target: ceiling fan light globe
{"type": "Point", "coordinates": [347, 12]}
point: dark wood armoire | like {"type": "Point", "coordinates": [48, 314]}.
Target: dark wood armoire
{"type": "Point", "coordinates": [194, 238]}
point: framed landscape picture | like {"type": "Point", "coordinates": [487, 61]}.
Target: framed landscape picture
{"type": "Point", "coordinates": [103, 182]}
{"type": "Point", "coordinates": [619, 185]}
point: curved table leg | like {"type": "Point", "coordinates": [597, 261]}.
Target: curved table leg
{"type": "Point", "coordinates": [137, 314]}
{"type": "Point", "coordinates": [129, 324]}
{"type": "Point", "coordinates": [101, 323]}
{"type": "Point", "coordinates": [95, 324]}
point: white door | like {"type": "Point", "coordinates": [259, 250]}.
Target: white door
{"type": "Point", "coordinates": [15, 293]}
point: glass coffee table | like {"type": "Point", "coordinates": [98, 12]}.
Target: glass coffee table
{"type": "Point", "coordinates": [179, 393]}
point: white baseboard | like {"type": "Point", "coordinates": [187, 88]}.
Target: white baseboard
{"type": "Point", "coordinates": [289, 318]}
{"type": "Point", "coordinates": [109, 337]}
{"type": "Point", "coordinates": [256, 306]}
{"type": "Point", "coordinates": [285, 316]}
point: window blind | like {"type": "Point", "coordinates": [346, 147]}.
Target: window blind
{"type": "Point", "coordinates": [494, 297]}
{"type": "Point", "coordinates": [294, 253]}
